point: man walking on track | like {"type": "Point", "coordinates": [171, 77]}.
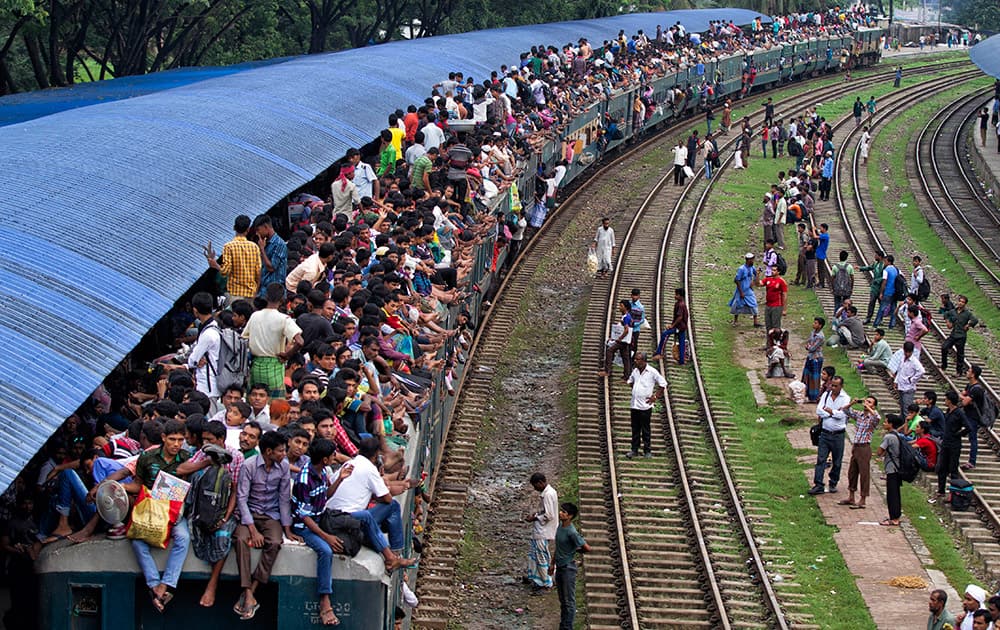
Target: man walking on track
{"type": "Point", "coordinates": [273, 337]}
{"type": "Point", "coordinates": [647, 387]}
{"type": "Point", "coordinates": [678, 326]}
{"type": "Point", "coordinates": [744, 301]}
{"type": "Point", "coordinates": [604, 242]}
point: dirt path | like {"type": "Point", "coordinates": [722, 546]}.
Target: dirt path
{"type": "Point", "coordinates": [530, 426]}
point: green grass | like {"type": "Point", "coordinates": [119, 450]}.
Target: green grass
{"type": "Point", "coordinates": [735, 226]}
{"type": "Point", "coordinates": [830, 591]}
{"type": "Point", "coordinates": [905, 225]}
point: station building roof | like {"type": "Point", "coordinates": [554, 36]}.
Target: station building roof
{"type": "Point", "coordinates": [110, 193]}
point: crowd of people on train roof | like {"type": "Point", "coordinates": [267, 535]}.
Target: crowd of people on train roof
{"type": "Point", "coordinates": [353, 317]}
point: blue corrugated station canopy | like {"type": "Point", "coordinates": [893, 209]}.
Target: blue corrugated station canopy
{"type": "Point", "coordinates": [986, 55]}
{"type": "Point", "coordinates": [107, 205]}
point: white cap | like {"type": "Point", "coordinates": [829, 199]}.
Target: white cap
{"type": "Point", "coordinates": [749, 255]}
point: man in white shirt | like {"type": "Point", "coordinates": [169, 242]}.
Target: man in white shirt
{"type": "Point", "coordinates": [833, 420]}
{"type": "Point", "coordinates": [917, 277]}
{"type": "Point", "coordinates": [433, 136]}
{"type": "Point", "coordinates": [365, 179]}
{"type": "Point", "coordinates": [647, 387]}
{"type": "Point", "coordinates": [416, 149]}
{"type": "Point", "coordinates": [273, 337]}
{"type": "Point", "coordinates": [908, 377]}
{"type": "Point", "coordinates": [204, 357]}
{"type": "Point", "coordinates": [353, 495]}
{"type": "Point", "coordinates": [544, 522]}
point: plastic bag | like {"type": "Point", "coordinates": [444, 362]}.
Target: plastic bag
{"type": "Point", "coordinates": [798, 389]}
{"type": "Point", "coordinates": [592, 261]}
{"type": "Point", "coordinates": [688, 172]}
{"type": "Point", "coordinates": [152, 519]}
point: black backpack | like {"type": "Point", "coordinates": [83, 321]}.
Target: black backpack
{"type": "Point", "coordinates": [899, 288]}
{"type": "Point", "coordinates": [208, 497]}
{"type": "Point", "coordinates": [908, 465]}
{"type": "Point", "coordinates": [781, 264]}
{"type": "Point", "coordinates": [924, 290]}
{"type": "Point", "coordinates": [988, 410]}
{"type": "Point", "coordinates": [345, 527]}
{"type": "Point", "coordinates": [842, 282]}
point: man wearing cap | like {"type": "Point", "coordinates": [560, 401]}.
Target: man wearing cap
{"type": "Point", "coordinates": [420, 174]}
{"type": "Point", "coordinates": [744, 301]}
{"type": "Point", "coordinates": [974, 599]}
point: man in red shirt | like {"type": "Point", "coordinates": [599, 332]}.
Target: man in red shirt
{"type": "Point", "coordinates": [775, 294]}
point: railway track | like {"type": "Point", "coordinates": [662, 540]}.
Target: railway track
{"type": "Point", "coordinates": [858, 226]}
{"type": "Point", "coordinates": [619, 594]}
{"type": "Point", "coordinates": [960, 214]}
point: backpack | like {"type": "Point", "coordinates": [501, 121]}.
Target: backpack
{"type": "Point", "coordinates": [794, 149]}
{"type": "Point", "coordinates": [988, 410]}
{"type": "Point", "coordinates": [922, 459]}
{"type": "Point", "coordinates": [234, 361]}
{"type": "Point", "coordinates": [908, 465]}
{"type": "Point", "coordinates": [899, 288]}
{"type": "Point", "coordinates": [924, 290]}
{"type": "Point", "coordinates": [345, 527]}
{"type": "Point", "coordinates": [842, 282]}
{"type": "Point", "coordinates": [781, 264]}
{"type": "Point", "coordinates": [208, 497]}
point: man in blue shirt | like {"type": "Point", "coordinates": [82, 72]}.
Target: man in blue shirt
{"type": "Point", "coordinates": [638, 313]}
{"type": "Point", "coordinates": [273, 253]}
{"type": "Point", "coordinates": [826, 176]}
{"type": "Point", "coordinates": [824, 244]}
{"type": "Point", "coordinates": [887, 301]}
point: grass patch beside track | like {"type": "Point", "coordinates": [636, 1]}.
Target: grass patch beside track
{"type": "Point", "coordinates": [830, 591]}
{"type": "Point", "coordinates": [734, 224]}
{"type": "Point", "coordinates": [907, 225]}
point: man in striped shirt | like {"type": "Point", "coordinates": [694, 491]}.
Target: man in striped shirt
{"type": "Point", "coordinates": [240, 263]}
{"type": "Point", "coordinates": [861, 451]}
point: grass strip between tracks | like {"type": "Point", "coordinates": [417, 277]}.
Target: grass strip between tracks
{"type": "Point", "coordinates": [800, 526]}
{"type": "Point", "coordinates": [907, 226]}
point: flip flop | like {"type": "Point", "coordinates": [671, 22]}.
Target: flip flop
{"type": "Point", "coordinates": [248, 615]}
{"type": "Point", "coordinates": [855, 506]}
{"type": "Point", "coordinates": [888, 523]}
{"type": "Point", "coordinates": [846, 502]}
{"type": "Point", "coordinates": [166, 597]}
{"type": "Point", "coordinates": [323, 615]}
{"type": "Point", "coordinates": [238, 606]}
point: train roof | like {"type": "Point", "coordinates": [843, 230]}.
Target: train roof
{"type": "Point", "coordinates": [109, 201]}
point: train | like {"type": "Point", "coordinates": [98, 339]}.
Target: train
{"type": "Point", "coordinates": [97, 585]}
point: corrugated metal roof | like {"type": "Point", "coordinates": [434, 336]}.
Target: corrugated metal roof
{"type": "Point", "coordinates": [986, 55]}
{"type": "Point", "coordinates": [107, 205]}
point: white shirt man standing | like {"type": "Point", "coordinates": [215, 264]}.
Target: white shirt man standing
{"type": "Point", "coordinates": [544, 522]}
{"type": "Point", "coordinates": [647, 387]}
{"type": "Point", "coordinates": [830, 412]}
{"type": "Point", "coordinates": [204, 357]}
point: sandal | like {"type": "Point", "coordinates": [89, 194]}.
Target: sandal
{"type": "Point", "coordinates": [157, 602]}
{"type": "Point", "coordinates": [846, 502]}
{"type": "Point", "coordinates": [889, 523]}
{"type": "Point", "coordinates": [328, 617]}
{"type": "Point", "coordinates": [248, 615]}
{"type": "Point", "coordinates": [857, 506]}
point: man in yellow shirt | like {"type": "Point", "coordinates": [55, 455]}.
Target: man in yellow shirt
{"type": "Point", "coordinates": [240, 263]}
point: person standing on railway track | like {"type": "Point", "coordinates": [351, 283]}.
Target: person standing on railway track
{"type": "Point", "coordinates": [859, 467]}
{"type": "Point", "coordinates": [864, 145]}
{"type": "Point", "coordinates": [875, 288]}
{"type": "Point", "coordinates": [744, 302]}
{"type": "Point", "coordinates": [830, 412]}
{"type": "Point", "coordinates": [887, 293]}
{"type": "Point", "coordinates": [620, 342]}
{"type": "Point", "coordinates": [638, 313]}
{"type": "Point", "coordinates": [813, 368]}
{"type": "Point", "coordinates": [908, 377]}
{"type": "Point", "coordinates": [972, 399]}
{"type": "Point", "coordinates": [826, 177]}
{"type": "Point", "coordinates": [240, 263]}
{"type": "Point", "coordinates": [959, 321]}
{"type": "Point", "coordinates": [678, 326]}
{"type": "Point", "coordinates": [680, 161]}
{"type": "Point", "coordinates": [897, 77]}
{"type": "Point", "coordinates": [859, 109]}
{"type": "Point", "coordinates": [604, 244]}
{"type": "Point", "coordinates": [872, 106]}
{"type": "Point", "coordinates": [544, 523]}
{"type": "Point", "coordinates": [647, 387]}
{"type": "Point", "coordinates": [692, 149]}
{"type": "Point", "coordinates": [727, 116]}
{"type": "Point", "coordinates": [955, 426]}
{"type": "Point", "coordinates": [563, 566]}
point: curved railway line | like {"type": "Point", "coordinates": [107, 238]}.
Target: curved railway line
{"type": "Point", "coordinates": [673, 543]}
{"type": "Point", "coordinates": [962, 215]}
{"type": "Point", "coordinates": [857, 225]}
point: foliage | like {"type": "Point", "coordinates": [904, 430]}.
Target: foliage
{"type": "Point", "coordinates": [979, 14]}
